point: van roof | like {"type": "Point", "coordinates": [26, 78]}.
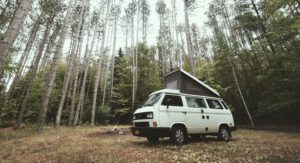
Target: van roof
{"type": "Point", "coordinates": [173, 91]}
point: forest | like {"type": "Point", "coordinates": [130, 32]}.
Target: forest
{"type": "Point", "coordinates": [62, 63]}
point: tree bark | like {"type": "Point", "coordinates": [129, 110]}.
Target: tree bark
{"type": "Point", "coordinates": [22, 61]}
{"type": "Point", "coordinates": [69, 71]}
{"type": "Point", "coordinates": [31, 76]}
{"type": "Point", "coordinates": [113, 59]}
{"type": "Point", "coordinates": [54, 66]}
{"type": "Point", "coordinates": [188, 38]}
{"type": "Point", "coordinates": [13, 31]}
{"type": "Point", "coordinates": [96, 85]}
{"type": "Point", "coordinates": [264, 29]}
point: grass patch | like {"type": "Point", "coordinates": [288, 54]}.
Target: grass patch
{"type": "Point", "coordinates": [77, 145]}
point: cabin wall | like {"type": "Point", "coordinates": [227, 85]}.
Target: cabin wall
{"type": "Point", "coordinates": [182, 82]}
{"type": "Point", "coordinates": [190, 86]}
{"type": "Point", "coordinates": [173, 81]}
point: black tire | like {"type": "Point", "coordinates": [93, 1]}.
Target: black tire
{"type": "Point", "coordinates": [178, 135]}
{"type": "Point", "coordinates": [224, 133]}
{"type": "Point", "coordinates": [152, 139]}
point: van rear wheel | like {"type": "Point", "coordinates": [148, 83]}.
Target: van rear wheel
{"type": "Point", "coordinates": [224, 133]}
{"type": "Point", "coordinates": [152, 139]}
{"type": "Point", "coordinates": [178, 135]}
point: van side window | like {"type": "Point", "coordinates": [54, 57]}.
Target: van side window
{"type": "Point", "coordinates": [224, 104]}
{"type": "Point", "coordinates": [172, 100]}
{"type": "Point", "coordinates": [214, 104]}
{"type": "Point", "coordinates": [195, 102]}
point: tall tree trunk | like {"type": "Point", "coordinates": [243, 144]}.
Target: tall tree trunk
{"type": "Point", "coordinates": [96, 86]}
{"type": "Point", "coordinates": [31, 76]}
{"type": "Point", "coordinates": [77, 65]}
{"type": "Point", "coordinates": [105, 78]}
{"type": "Point", "coordinates": [24, 57]}
{"type": "Point", "coordinates": [69, 70]}
{"type": "Point", "coordinates": [264, 29]}
{"type": "Point", "coordinates": [54, 65]}
{"type": "Point", "coordinates": [51, 43]}
{"type": "Point", "coordinates": [177, 51]}
{"type": "Point", "coordinates": [13, 31]}
{"type": "Point", "coordinates": [241, 94]}
{"type": "Point", "coordinates": [85, 73]}
{"type": "Point", "coordinates": [113, 59]}
{"type": "Point", "coordinates": [136, 51]}
{"type": "Point", "coordinates": [133, 61]}
{"type": "Point", "coordinates": [188, 38]}
{"type": "Point", "coordinates": [75, 83]}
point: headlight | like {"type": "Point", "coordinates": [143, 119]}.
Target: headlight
{"type": "Point", "coordinates": [149, 115]}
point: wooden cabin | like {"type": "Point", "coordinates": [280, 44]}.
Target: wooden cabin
{"type": "Point", "coordinates": [187, 83]}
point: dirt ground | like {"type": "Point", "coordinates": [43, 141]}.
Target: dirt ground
{"type": "Point", "coordinates": [100, 144]}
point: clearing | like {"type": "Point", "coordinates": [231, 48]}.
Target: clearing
{"type": "Point", "coordinates": [85, 144]}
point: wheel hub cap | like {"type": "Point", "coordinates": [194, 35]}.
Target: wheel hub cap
{"type": "Point", "coordinates": [179, 136]}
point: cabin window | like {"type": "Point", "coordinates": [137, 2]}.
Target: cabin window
{"type": "Point", "coordinates": [224, 104]}
{"type": "Point", "coordinates": [171, 100]}
{"type": "Point", "coordinates": [195, 102]}
{"type": "Point", "coordinates": [214, 104]}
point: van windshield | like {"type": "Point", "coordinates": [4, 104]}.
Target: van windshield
{"type": "Point", "coordinates": [152, 99]}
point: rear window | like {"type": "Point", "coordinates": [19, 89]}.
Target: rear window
{"type": "Point", "coordinates": [214, 104]}
{"type": "Point", "coordinates": [172, 100]}
{"type": "Point", "coordinates": [195, 102]}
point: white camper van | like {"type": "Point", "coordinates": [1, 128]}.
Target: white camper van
{"type": "Point", "coordinates": [188, 107]}
{"type": "Point", "coordinates": [169, 113]}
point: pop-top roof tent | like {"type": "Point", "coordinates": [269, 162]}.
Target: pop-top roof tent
{"type": "Point", "coordinates": [187, 83]}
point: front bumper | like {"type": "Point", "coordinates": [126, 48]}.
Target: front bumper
{"type": "Point", "coordinates": [150, 131]}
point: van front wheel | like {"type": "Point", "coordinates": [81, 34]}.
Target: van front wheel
{"type": "Point", "coordinates": [178, 135]}
{"type": "Point", "coordinates": [224, 133]}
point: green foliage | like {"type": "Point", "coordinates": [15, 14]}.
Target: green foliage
{"type": "Point", "coordinates": [269, 79]}
{"type": "Point", "coordinates": [148, 81]}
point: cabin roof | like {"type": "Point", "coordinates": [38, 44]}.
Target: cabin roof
{"type": "Point", "coordinates": [195, 79]}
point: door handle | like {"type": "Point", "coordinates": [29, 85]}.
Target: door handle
{"type": "Point", "coordinates": [184, 112]}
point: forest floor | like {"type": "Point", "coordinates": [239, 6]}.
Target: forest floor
{"type": "Point", "coordinates": [86, 144]}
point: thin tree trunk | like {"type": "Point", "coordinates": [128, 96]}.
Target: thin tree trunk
{"type": "Point", "coordinates": [69, 71]}
{"type": "Point", "coordinates": [188, 38]}
{"type": "Point", "coordinates": [85, 73]}
{"type": "Point", "coordinates": [13, 31]}
{"type": "Point", "coordinates": [133, 61]}
{"type": "Point", "coordinates": [113, 59]}
{"type": "Point", "coordinates": [264, 29]}
{"type": "Point", "coordinates": [54, 66]}
{"type": "Point", "coordinates": [24, 57]}
{"type": "Point", "coordinates": [96, 86]}
{"type": "Point", "coordinates": [74, 91]}
{"type": "Point", "coordinates": [106, 68]}
{"type": "Point", "coordinates": [71, 117]}
{"type": "Point", "coordinates": [241, 94]}
{"type": "Point", "coordinates": [31, 76]}
{"type": "Point", "coordinates": [136, 49]}
{"type": "Point", "coordinates": [50, 45]}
